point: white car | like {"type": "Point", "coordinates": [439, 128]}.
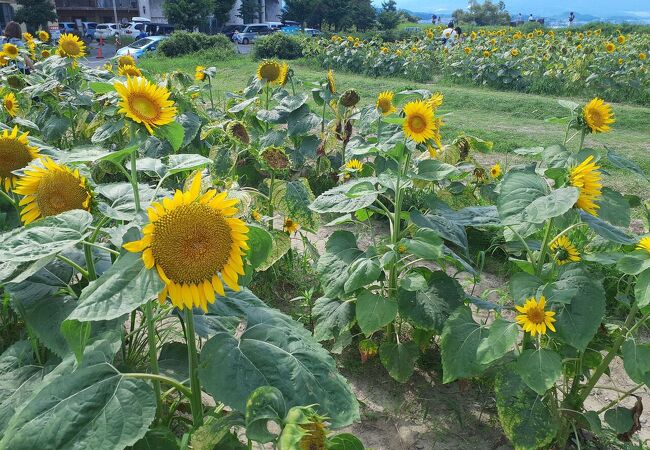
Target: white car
{"type": "Point", "coordinates": [132, 29]}
{"type": "Point", "coordinates": [106, 30]}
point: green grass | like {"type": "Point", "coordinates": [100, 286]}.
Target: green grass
{"type": "Point", "coordinates": [510, 119]}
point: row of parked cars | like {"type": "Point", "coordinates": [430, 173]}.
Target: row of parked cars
{"type": "Point", "coordinates": [97, 31]}
{"type": "Point", "coordinates": [247, 33]}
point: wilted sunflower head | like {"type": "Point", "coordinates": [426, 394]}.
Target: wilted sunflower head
{"type": "Point", "coordinates": [15, 81]}
{"type": "Point", "coordinates": [350, 98]}
{"type": "Point", "coordinates": [10, 50]}
{"type": "Point", "coordinates": [237, 129]}
{"type": "Point", "coordinates": [10, 104]}
{"type": "Point", "coordinates": [50, 189]}
{"type": "Point", "coordinates": [15, 154]}
{"type": "Point", "coordinates": [199, 73]}
{"type": "Point", "coordinates": [564, 251]}
{"type": "Point", "coordinates": [419, 123]}
{"type": "Point", "coordinates": [290, 226]}
{"type": "Point", "coordinates": [275, 158]}
{"type": "Point", "coordinates": [126, 60]}
{"type": "Point", "coordinates": [269, 71]}
{"type": "Point", "coordinates": [331, 83]}
{"type": "Point", "coordinates": [385, 103]}
{"type": "Point", "coordinates": [196, 245]}
{"type": "Point", "coordinates": [70, 46]}
{"type": "Point", "coordinates": [145, 103]}
{"type": "Point", "coordinates": [586, 177]}
{"type": "Point", "coordinates": [598, 116]}
{"type": "Point", "coordinates": [43, 36]}
{"type": "Point", "coordinates": [129, 71]}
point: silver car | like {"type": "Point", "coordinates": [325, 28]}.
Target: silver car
{"type": "Point", "coordinates": [252, 32]}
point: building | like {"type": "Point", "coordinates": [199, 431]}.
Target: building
{"type": "Point", "coordinates": [270, 11]}
{"type": "Point", "coordinates": [96, 10]}
{"type": "Point", "coordinates": [6, 12]}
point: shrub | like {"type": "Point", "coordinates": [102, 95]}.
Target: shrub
{"type": "Point", "coordinates": [183, 43]}
{"type": "Point", "coordinates": [278, 45]}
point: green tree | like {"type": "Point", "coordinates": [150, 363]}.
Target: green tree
{"type": "Point", "coordinates": [389, 17]}
{"type": "Point", "coordinates": [222, 11]}
{"type": "Point", "coordinates": [35, 13]}
{"type": "Point", "coordinates": [307, 12]}
{"type": "Point", "coordinates": [363, 14]}
{"type": "Point", "coordinates": [187, 14]}
{"type": "Point", "coordinates": [487, 13]}
{"type": "Point", "coordinates": [250, 11]}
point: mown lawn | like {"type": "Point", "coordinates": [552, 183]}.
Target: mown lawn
{"type": "Point", "coordinates": [510, 119]}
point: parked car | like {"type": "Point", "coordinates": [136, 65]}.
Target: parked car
{"type": "Point", "coordinates": [290, 29]}
{"type": "Point", "coordinates": [132, 28]}
{"type": "Point", "coordinates": [141, 46]}
{"type": "Point", "coordinates": [313, 32]}
{"type": "Point", "coordinates": [106, 30]}
{"type": "Point", "coordinates": [88, 29]}
{"type": "Point", "coordinates": [252, 32]}
{"type": "Point", "coordinates": [159, 29]}
{"type": "Point", "coordinates": [230, 30]}
{"type": "Point", "coordinates": [69, 28]}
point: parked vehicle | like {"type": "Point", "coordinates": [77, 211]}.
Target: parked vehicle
{"type": "Point", "coordinates": [106, 30]}
{"type": "Point", "coordinates": [88, 29]}
{"type": "Point", "coordinates": [69, 28]}
{"type": "Point", "coordinates": [231, 30]}
{"type": "Point", "coordinates": [252, 32]}
{"type": "Point", "coordinates": [313, 32]}
{"type": "Point", "coordinates": [141, 46]}
{"type": "Point", "coordinates": [159, 29]}
{"type": "Point", "coordinates": [132, 28]}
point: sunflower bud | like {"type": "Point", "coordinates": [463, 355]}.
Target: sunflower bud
{"type": "Point", "coordinates": [367, 349]}
{"type": "Point", "coordinates": [315, 437]}
{"type": "Point", "coordinates": [15, 82]}
{"type": "Point", "coordinates": [350, 98]}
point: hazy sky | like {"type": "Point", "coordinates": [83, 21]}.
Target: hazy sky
{"type": "Point", "coordinates": [538, 7]}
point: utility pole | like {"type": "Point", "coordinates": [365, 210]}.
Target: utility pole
{"type": "Point", "coordinates": [115, 14]}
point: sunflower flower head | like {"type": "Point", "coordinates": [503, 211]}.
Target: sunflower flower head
{"type": "Point", "coordinates": [275, 158]}
{"type": "Point", "coordinates": [435, 101]}
{"type": "Point", "coordinates": [70, 46]}
{"type": "Point", "coordinates": [534, 318]}
{"type": "Point", "coordinates": [350, 98]}
{"type": "Point", "coordinates": [598, 116]}
{"type": "Point", "coordinates": [495, 171]}
{"type": "Point", "coordinates": [419, 123]}
{"type": "Point", "coordinates": [564, 251]}
{"type": "Point", "coordinates": [10, 104]}
{"type": "Point", "coordinates": [196, 245]}
{"type": "Point", "coordinates": [610, 47]}
{"type": "Point", "coordinates": [237, 130]}
{"type": "Point", "coordinates": [15, 154]}
{"type": "Point", "coordinates": [199, 73]}
{"type": "Point", "coordinates": [354, 165]}
{"type": "Point", "coordinates": [331, 83]}
{"type": "Point", "coordinates": [385, 103]}
{"type": "Point", "coordinates": [290, 226]}
{"type": "Point", "coordinates": [145, 103]}
{"type": "Point", "coordinates": [269, 71]}
{"type": "Point", "coordinates": [514, 52]}
{"type": "Point", "coordinates": [314, 436]}
{"type": "Point", "coordinates": [10, 51]}
{"type": "Point", "coordinates": [587, 178]}
{"type": "Point", "coordinates": [256, 216]}
{"type": "Point", "coordinates": [45, 53]}
{"type": "Point", "coordinates": [50, 189]}
{"type": "Point", "coordinates": [126, 60]}
{"type": "Point", "coordinates": [43, 36]}
{"type": "Point", "coordinates": [129, 71]}
{"type": "Point", "coordinates": [644, 244]}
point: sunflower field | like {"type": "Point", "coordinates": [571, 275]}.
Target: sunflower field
{"type": "Point", "coordinates": [139, 216]}
{"type": "Point", "coordinates": [540, 61]}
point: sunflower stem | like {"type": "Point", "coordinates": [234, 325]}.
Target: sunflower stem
{"type": "Point", "coordinates": [271, 199]}
{"type": "Point", "coordinates": [210, 87]}
{"type": "Point", "coordinates": [161, 378]}
{"type": "Point", "coordinates": [153, 354]}
{"type": "Point", "coordinates": [193, 360]}
{"type": "Point", "coordinates": [134, 182]}
{"type": "Point", "coordinates": [90, 262]}
{"type": "Point", "coordinates": [10, 200]}
{"type": "Point", "coordinates": [582, 139]}
{"type": "Point", "coordinates": [542, 250]}
{"type": "Point", "coordinates": [74, 265]}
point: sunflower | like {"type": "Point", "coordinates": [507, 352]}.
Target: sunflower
{"type": "Point", "coordinates": [435, 101]}
{"type": "Point", "coordinates": [284, 74]}
{"type": "Point", "coordinates": [565, 251]}
{"type": "Point", "coordinates": [314, 437]}
{"type": "Point", "coordinates": [126, 60]}
{"type": "Point", "coordinates": [195, 244]}
{"type": "Point", "coordinates": [354, 165]}
{"type": "Point", "coordinates": [15, 154]}
{"type": "Point", "coordinates": [28, 37]}
{"type": "Point", "coordinates": [43, 36]}
{"type": "Point", "coordinates": [269, 71]}
{"type": "Point", "coordinates": [51, 189]}
{"type": "Point", "coordinates": [610, 47]}
{"type": "Point", "coordinates": [486, 54]}
{"type": "Point", "coordinates": [237, 130]}
{"type": "Point", "coordinates": [10, 104]}
{"type": "Point", "coordinates": [331, 83]}
{"type": "Point", "coordinates": [145, 103]}
{"type": "Point", "coordinates": [514, 52]}
{"type": "Point", "coordinates": [467, 50]}
{"type": "Point", "coordinates": [644, 244]}
{"type": "Point", "coordinates": [598, 116]}
{"type": "Point", "coordinates": [45, 54]}
{"type": "Point", "coordinates": [199, 73]}
{"type": "Point", "coordinates": [621, 39]}
{"type": "Point", "coordinates": [495, 171]}
{"type": "Point", "coordinates": [71, 46]}
{"type": "Point", "coordinates": [642, 56]}
{"type": "Point", "coordinates": [533, 318]}
{"type": "Point", "coordinates": [129, 71]}
{"type": "Point", "coordinates": [256, 216]}
{"type": "Point", "coordinates": [10, 51]}
{"type": "Point", "coordinates": [433, 153]}
{"type": "Point", "coordinates": [290, 226]}
{"type": "Point", "coordinates": [385, 103]}
{"type": "Point", "coordinates": [586, 177]}
{"type": "Point", "coordinates": [420, 123]}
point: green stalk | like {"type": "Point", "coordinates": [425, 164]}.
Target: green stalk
{"type": "Point", "coordinates": [582, 140]}
{"type": "Point", "coordinates": [10, 200]}
{"type": "Point", "coordinates": [266, 123]}
{"type": "Point", "coordinates": [379, 129]}
{"type": "Point", "coordinates": [161, 378]}
{"type": "Point", "coordinates": [193, 359]}
{"type": "Point", "coordinates": [210, 87]}
{"type": "Point", "coordinates": [322, 125]}
{"type": "Point", "coordinates": [153, 354]}
{"type": "Point", "coordinates": [90, 262]}
{"type": "Point", "coordinates": [74, 265]}
{"type": "Point", "coordinates": [271, 199]}
{"type": "Point", "coordinates": [544, 248]}
{"type": "Point", "coordinates": [134, 182]}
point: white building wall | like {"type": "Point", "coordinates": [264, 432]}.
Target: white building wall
{"type": "Point", "coordinates": [271, 10]}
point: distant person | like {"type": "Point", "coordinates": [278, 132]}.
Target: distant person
{"type": "Point", "coordinates": [520, 18]}
{"type": "Point", "coordinates": [572, 17]}
{"type": "Point", "coordinates": [531, 18]}
{"type": "Point", "coordinates": [458, 35]}
{"type": "Point", "coordinates": [433, 19]}
{"type": "Point", "coordinates": [448, 33]}
{"type": "Point", "coordinates": [14, 35]}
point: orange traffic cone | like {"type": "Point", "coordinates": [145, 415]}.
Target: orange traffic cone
{"type": "Point", "coordinates": [99, 48]}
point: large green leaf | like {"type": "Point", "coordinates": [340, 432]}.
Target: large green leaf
{"type": "Point", "coordinates": [606, 230]}
{"type": "Point", "coordinates": [173, 133]}
{"type": "Point", "coordinates": [363, 271]}
{"type": "Point", "coordinates": [344, 441]}
{"type": "Point", "coordinates": [265, 404]}
{"type": "Point", "coordinates": [634, 263]}
{"type": "Point", "coordinates": [333, 317]}
{"type": "Point", "coordinates": [552, 205]}
{"type": "Point", "coordinates": [260, 243]}
{"type": "Point", "coordinates": [340, 253]}
{"type": "Point", "coordinates": [523, 286]}
{"type": "Point", "coordinates": [280, 245]}
{"type": "Point", "coordinates": [539, 369]}
{"type": "Point", "coordinates": [526, 418]}
{"type": "Point", "coordinates": [636, 360]}
{"type": "Point", "coordinates": [185, 162]}
{"type": "Point", "coordinates": [518, 190]}
{"type": "Point", "coordinates": [500, 340]}
{"type": "Point", "coordinates": [448, 229]}
{"type": "Point", "coordinates": [292, 199]}
{"type": "Point", "coordinates": [459, 345]}
{"type": "Point", "coordinates": [434, 170]}
{"type": "Point", "coordinates": [642, 289]}
{"type": "Point", "coordinates": [159, 438]}
{"type": "Point", "coordinates": [429, 309]}
{"type": "Point", "coordinates": [120, 290]}
{"type": "Point", "coordinates": [94, 407]}
{"type": "Point", "coordinates": [337, 199]}
{"type": "Point", "coordinates": [215, 433]}
{"type": "Point", "coordinates": [374, 311]}
{"type": "Point", "coordinates": [45, 237]}
{"type": "Point", "coordinates": [271, 349]}
{"type": "Point", "coordinates": [399, 359]}
{"type": "Point", "coordinates": [425, 244]}
{"type": "Point", "coordinates": [614, 208]}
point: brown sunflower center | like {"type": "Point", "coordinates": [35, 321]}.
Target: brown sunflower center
{"type": "Point", "coordinates": [13, 156]}
{"type": "Point", "coordinates": [315, 439]}
{"type": "Point", "coordinates": [562, 254]}
{"type": "Point", "coordinates": [595, 117]}
{"type": "Point", "coordinates": [417, 123]}
{"type": "Point", "coordinates": [9, 104]}
{"type": "Point", "coordinates": [11, 50]}
{"type": "Point", "coordinates": [60, 191]}
{"type": "Point", "coordinates": [71, 48]}
{"type": "Point", "coordinates": [536, 315]}
{"type": "Point", "coordinates": [191, 243]}
{"type": "Point", "coordinates": [384, 105]}
{"type": "Point", "coordinates": [144, 107]}
{"type": "Point", "coordinates": [270, 72]}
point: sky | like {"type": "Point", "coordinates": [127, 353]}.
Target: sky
{"type": "Point", "coordinates": [599, 8]}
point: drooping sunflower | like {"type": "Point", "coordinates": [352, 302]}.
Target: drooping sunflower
{"type": "Point", "coordinates": [126, 60]}
{"type": "Point", "coordinates": [10, 104]}
{"type": "Point", "coordinates": [644, 244]}
{"type": "Point", "coordinates": [129, 71]}
{"type": "Point", "coordinates": [290, 226]}
{"type": "Point", "coordinates": [51, 189]}
{"type": "Point", "coordinates": [70, 46]}
{"type": "Point", "coordinates": [43, 36]}
{"type": "Point", "coordinates": [495, 171]}
{"type": "Point", "coordinates": [586, 177]}
{"type": "Point", "coordinates": [145, 103]}
{"type": "Point", "coordinates": [564, 251]}
{"type": "Point", "coordinates": [269, 71]}
{"type": "Point", "coordinates": [435, 101]}
{"type": "Point", "coordinates": [10, 51]}
{"type": "Point", "coordinates": [354, 165]}
{"type": "Point", "coordinates": [256, 216]}
{"type": "Point", "coordinates": [598, 116]}
{"type": "Point", "coordinates": [385, 103]}
{"type": "Point", "coordinates": [331, 83]}
{"type": "Point", "coordinates": [533, 318]}
{"type": "Point", "coordinates": [199, 73]}
{"type": "Point", "coordinates": [420, 123]}
{"type": "Point", "coordinates": [15, 154]}
{"type": "Point", "coordinates": [237, 130]}
{"type": "Point", "coordinates": [28, 36]}
{"type": "Point", "coordinates": [315, 436]}
{"type": "Point", "coordinates": [195, 244]}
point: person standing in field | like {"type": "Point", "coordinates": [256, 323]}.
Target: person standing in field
{"type": "Point", "coordinates": [572, 17]}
